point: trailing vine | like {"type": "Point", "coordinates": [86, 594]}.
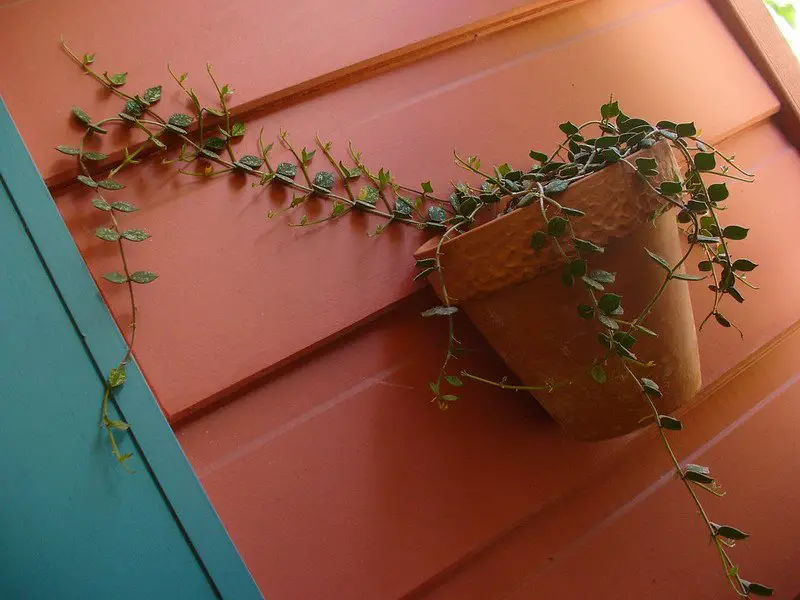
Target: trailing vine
{"type": "Point", "coordinates": [206, 151]}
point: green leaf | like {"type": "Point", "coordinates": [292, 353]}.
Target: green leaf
{"type": "Point", "coordinates": [81, 115]}
{"type": "Point", "coordinates": [424, 273]}
{"type": "Point", "coordinates": [209, 109]}
{"type": "Point", "coordinates": [572, 212]}
{"type": "Point", "coordinates": [253, 162]}
{"type": "Point", "coordinates": [609, 110]}
{"type": "Point", "coordinates": [133, 108]}
{"type": "Point", "coordinates": [403, 207]}
{"type": "Point", "coordinates": [104, 233]}
{"type": "Point", "coordinates": [625, 339]}
{"type": "Point", "coordinates": [449, 397]}
{"type": "Point", "coordinates": [538, 156]}
{"type": "Point", "coordinates": [115, 424]}
{"type": "Point", "coordinates": [670, 188]}
{"type": "Point", "coordinates": [88, 59]}
{"type": "Point", "coordinates": [647, 166]}
{"type": "Point", "coordinates": [95, 156]}
{"type": "Point", "coordinates": [339, 208]}
{"type": "Point", "coordinates": [722, 320]}
{"type": "Point", "coordinates": [324, 180]}
{"type": "Point", "coordinates": [587, 246]}
{"type": "Point", "coordinates": [306, 156]}
{"type": "Point", "coordinates": [152, 95]}
{"type": "Point", "coordinates": [101, 204]}
{"type": "Point", "coordinates": [598, 373]}
{"type": "Point", "coordinates": [440, 311]}
{"type": "Point", "coordinates": [216, 144]}
{"type": "Point", "coordinates": [698, 474]}
{"type": "Point", "coordinates": [577, 267]}
{"type": "Point", "coordinates": [569, 128]}
{"type": "Point", "coordinates": [238, 130]}
{"type": "Point", "coordinates": [717, 192]}
{"type": "Point", "coordinates": [630, 124]}
{"type": "Point", "coordinates": [369, 195]}
{"type": "Point", "coordinates": [603, 276]}
{"type": "Point", "coordinates": [427, 188]}
{"type": "Point", "coordinates": [453, 380]}
{"type": "Point", "coordinates": [436, 214]}
{"type": "Point", "coordinates": [608, 321]}
{"type": "Point", "coordinates": [117, 79]}
{"type": "Point", "coordinates": [606, 141]}
{"type": "Point", "coordinates": [115, 277]}
{"type": "Point", "coordinates": [754, 588]}
{"type": "Point", "coordinates": [68, 150]}
{"type": "Point", "coordinates": [650, 387]}
{"type": "Point", "coordinates": [127, 117]}
{"type": "Point", "coordinates": [610, 155]}
{"type": "Point", "coordinates": [109, 184]}
{"type": "Point", "coordinates": [608, 303]}
{"type": "Point", "coordinates": [660, 261]}
{"type": "Point", "coordinates": [735, 232]}
{"type": "Point", "coordinates": [287, 170]}
{"type": "Point", "coordinates": [557, 226]}
{"type": "Point", "coordinates": [209, 154]}
{"type": "Point", "coordinates": [704, 161]}
{"type": "Point", "coordinates": [686, 129]}
{"type": "Point", "coordinates": [688, 277]}
{"type": "Point", "coordinates": [87, 181]}
{"type": "Point", "coordinates": [592, 283]}
{"type": "Point", "coordinates": [117, 376]}
{"type": "Point", "coordinates": [670, 423]}
{"type": "Point", "coordinates": [555, 187]}
{"type": "Point", "coordinates": [143, 276]}
{"type": "Point", "coordinates": [123, 207]}
{"type": "Point", "coordinates": [135, 235]}
{"type": "Point", "coordinates": [180, 120]}
{"type": "Point", "coordinates": [731, 533]}
{"type": "Point", "coordinates": [743, 264]}
{"type": "Point", "coordinates": [539, 240]}
{"type": "Point", "coordinates": [585, 311]}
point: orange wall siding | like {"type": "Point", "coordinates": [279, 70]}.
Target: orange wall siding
{"type": "Point", "coordinates": [293, 362]}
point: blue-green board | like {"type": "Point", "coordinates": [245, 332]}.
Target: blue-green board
{"type": "Point", "coordinates": [73, 523]}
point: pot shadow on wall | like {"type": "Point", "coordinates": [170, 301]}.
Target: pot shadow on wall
{"type": "Point", "coordinates": [450, 483]}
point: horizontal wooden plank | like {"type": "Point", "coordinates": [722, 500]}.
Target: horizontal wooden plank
{"type": "Point", "coordinates": [345, 445]}
{"type": "Point", "coordinates": [754, 29]}
{"type": "Point", "coordinates": [239, 296]}
{"type": "Point", "coordinates": [660, 550]}
{"type": "Point", "coordinates": [301, 47]}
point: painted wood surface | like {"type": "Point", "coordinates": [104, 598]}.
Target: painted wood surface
{"type": "Point", "coordinates": [297, 47]}
{"type": "Point", "coordinates": [218, 255]}
{"type": "Point", "coordinates": [77, 523]}
{"type": "Point", "coordinates": [312, 431]}
{"type": "Point", "coordinates": [74, 523]}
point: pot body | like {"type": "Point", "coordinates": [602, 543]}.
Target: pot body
{"type": "Point", "coordinates": [517, 300]}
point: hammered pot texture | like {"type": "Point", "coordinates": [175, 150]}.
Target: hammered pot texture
{"type": "Point", "coordinates": [517, 300]}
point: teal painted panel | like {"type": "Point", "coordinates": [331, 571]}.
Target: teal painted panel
{"type": "Point", "coordinates": [74, 525]}
{"type": "Point", "coordinates": [159, 451]}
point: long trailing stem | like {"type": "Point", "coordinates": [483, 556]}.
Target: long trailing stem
{"type": "Point", "coordinates": [516, 190]}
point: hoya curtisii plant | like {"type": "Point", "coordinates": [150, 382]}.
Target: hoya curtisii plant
{"type": "Point", "coordinates": [205, 138]}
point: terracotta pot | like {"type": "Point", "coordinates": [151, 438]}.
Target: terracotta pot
{"type": "Point", "coordinates": [515, 297]}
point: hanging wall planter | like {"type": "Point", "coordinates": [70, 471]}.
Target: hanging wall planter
{"type": "Point", "coordinates": [516, 299]}
{"type": "Point", "coordinates": [521, 276]}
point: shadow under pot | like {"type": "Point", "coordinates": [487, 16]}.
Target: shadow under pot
{"type": "Point", "coordinates": [516, 298]}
